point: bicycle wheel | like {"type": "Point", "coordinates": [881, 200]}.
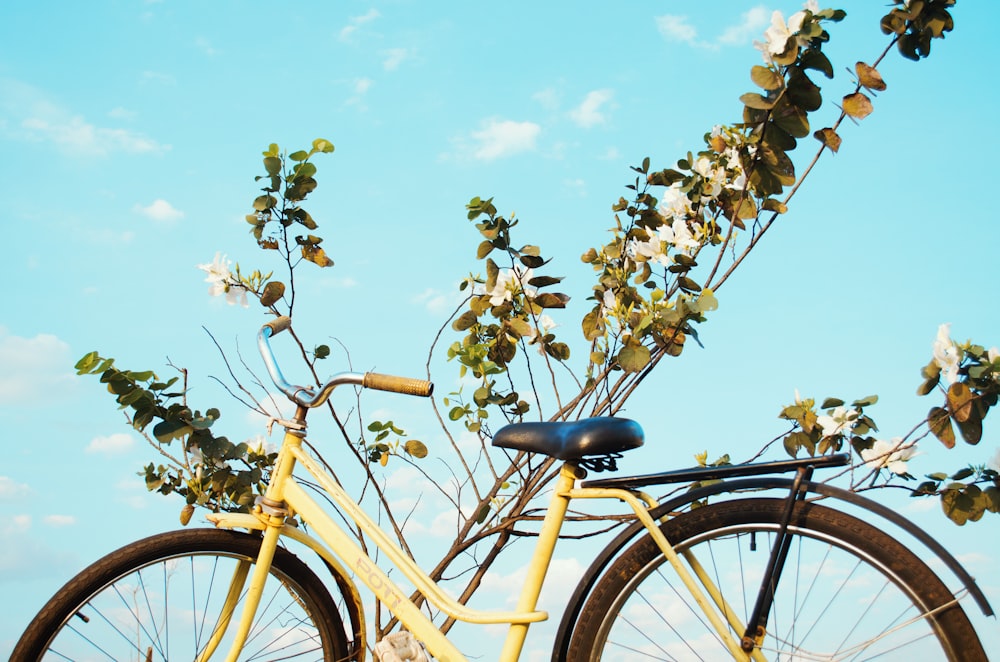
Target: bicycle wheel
{"type": "Point", "coordinates": [160, 599]}
{"type": "Point", "coordinates": [847, 592]}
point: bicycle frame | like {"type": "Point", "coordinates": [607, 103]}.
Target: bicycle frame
{"type": "Point", "coordinates": [285, 497]}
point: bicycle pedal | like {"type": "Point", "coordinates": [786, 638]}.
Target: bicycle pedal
{"type": "Point", "coordinates": [399, 647]}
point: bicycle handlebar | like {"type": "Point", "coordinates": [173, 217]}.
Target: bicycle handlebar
{"type": "Point", "coordinates": [306, 397]}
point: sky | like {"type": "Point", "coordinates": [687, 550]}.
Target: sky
{"type": "Point", "coordinates": [133, 131]}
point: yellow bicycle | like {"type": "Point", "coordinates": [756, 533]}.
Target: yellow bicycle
{"type": "Point", "coordinates": [748, 577]}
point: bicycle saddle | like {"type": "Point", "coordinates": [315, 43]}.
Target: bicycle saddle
{"type": "Point", "coordinates": [572, 440]}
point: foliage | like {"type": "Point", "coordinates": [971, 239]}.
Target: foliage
{"type": "Point", "coordinates": [676, 240]}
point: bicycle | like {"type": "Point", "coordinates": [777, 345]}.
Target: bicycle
{"type": "Point", "coordinates": [719, 581]}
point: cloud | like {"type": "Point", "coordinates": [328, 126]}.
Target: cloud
{"type": "Point", "coordinates": [548, 98]}
{"type": "Point", "coordinates": [33, 117]}
{"type": "Point", "coordinates": [356, 22]}
{"type": "Point", "coordinates": [205, 46]}
{"type": "Point", "coordinates": [362, 85]}
{"type": "Point", "coordinates": [676, 28]}
{"type": "Point", "coordinates": [34, 369]}
{"type": "Point", "coordinates": [160, 210]}
{"type": "Point", "coordinates": [11, 490]}
{"type": "Point", "coordinates": [588, 113]}
{"type": "Point", "coordinates": [502, 138]}
{"type": "Point", "coordinates": [752, 24]}
{"type": "Point", "coordinates": [435, 301]}
{"type": "Point", "coordinates": [24, 557]}
{"type": "Point", "coordinates": [59, 520]}
{"type": "Point", "coordinates": [394, 57]}
{"type": "Point", "coordinates": [114, 444]}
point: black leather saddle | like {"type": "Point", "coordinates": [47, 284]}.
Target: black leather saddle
{"type": "Point", "coordinates": [603, 436]}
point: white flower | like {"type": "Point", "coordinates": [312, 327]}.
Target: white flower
{"type": "Point", "coordinates": [510, 281]}
{"type": "Point", "coordinates": [609, 301]}
{"type": "Point", "coordinates": [837, 422]}
{"type": "Point", "coordinates": [891, 455]}
{"type": "Point", "coordinates": [712, 178]}
{"type": "Point", "coordinates": [682, 237]}
{"type": "Point", "coordinates": [221, 281]}
{"type": "Point", "coordinates": [946, 354]}
{"type": "Point", "coordinates": [776, 37]}
{"type": "Point", "coordinates": [675, 204]}
{"type": "Point", "coordinates": [218, 274]}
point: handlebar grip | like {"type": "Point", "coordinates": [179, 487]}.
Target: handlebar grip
{"type": "Point", "coordinates": [404, 385]}
{"type": "Point", "coordinates": [279, 324]}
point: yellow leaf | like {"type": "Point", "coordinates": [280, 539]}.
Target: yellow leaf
{"type": "Point", "coordinates": [857, 105]}
{"type": "Point", "coordinates": [869, 77]}
{"type": "Point", "coordinates": [829, 138]}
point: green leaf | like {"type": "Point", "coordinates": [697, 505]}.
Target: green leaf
{"type": "Point", "coordinates": [939, 422]}
{"type": "Point", "coordinates": [272, 165]}
{"type": "Point", "coordinates": [765, 78]}
{"type": "Point", "coordinates": [830, 403]}
{"type": "Point", "coordinates": [960, 399]}
{"type": "Point", "coordinates": [322, 145]}
{"type": "Point", "coordinates": [867, 401]}
{"type": "Point", "coordinates": [756, 101]}
{"type": "Point", "coordinates": [551, 300]}
{"type": "Point", "coordinates": [415, 448]}
{"type": "Point", "coordinates": [167, 430]}
{"type": "Point", "coordinates": [634, 357]}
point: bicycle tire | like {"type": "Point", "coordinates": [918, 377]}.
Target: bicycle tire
{"type": "Point", "coordinates": [637, 610]}
{"type": "Point", "coordinates": [139, 603]}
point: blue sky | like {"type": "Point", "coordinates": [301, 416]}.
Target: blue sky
{"type": "Point", "coordinates": [133, 130]}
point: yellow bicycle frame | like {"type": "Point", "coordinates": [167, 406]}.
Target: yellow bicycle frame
{"type": "Point", "coordinates": [345, 556]}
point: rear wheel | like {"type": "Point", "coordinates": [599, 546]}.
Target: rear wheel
{"type": "Point", "coordinates": [160, 599]}
{"type": "Point", "coordinates": [847, 592]}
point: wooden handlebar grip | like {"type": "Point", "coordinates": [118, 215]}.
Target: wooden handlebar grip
{"type": "Point", "coordinates": [404, 385]}
{"type": "Point", "coordinates": [279, 324]}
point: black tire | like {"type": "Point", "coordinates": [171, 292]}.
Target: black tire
{"type": "Point", "coordinates": [844, 584]}
{"type": "Point", "coordinates": [159, 598]}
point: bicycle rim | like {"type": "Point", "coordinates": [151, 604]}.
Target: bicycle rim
{"type": "Point", "coordinates": [847, 592]}
{"type": "Point", "coordinates": [163, 599]}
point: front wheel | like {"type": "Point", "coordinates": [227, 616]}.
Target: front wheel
{"type": "Point", "coordinates": [162, 598]}
{"type": "Point", "coordinates": [847, 592]}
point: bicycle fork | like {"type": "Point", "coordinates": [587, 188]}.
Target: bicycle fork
{"type": "Point", "coordinates": [756, 627]}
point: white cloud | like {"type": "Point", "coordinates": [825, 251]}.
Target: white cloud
{"type": "Point", "coordinates": [589, 113]}
{"type": "Point", "coordinates": [33, 117]}
{"type": "Point", "coordinates": [356, 22]}
{"type": "Point", "coordinates": [160, 210]}
{"type": "Point", "coordinates": [11, 490]}
{"type": "Point", "coordinates": [548, 98]}
{"type": "Point", "coordinates": [114, 444]}
{"type": "Point", "coordinates": [674, 27]}
{"type": "Point", "coordinates": [436, 301]}
{"type": "Point", "coordinates": [59, 520]}
{"type": "Point", "coordinates": [157, 78]}
{"type": "Point", "coordinates": [34, 369]}
{"type": "Point", "coordinates": [23, 556]}
{"type": "Point", "coordinates": [394, 57]}
{"type": "Point", "coordinates": [362, 85]}
{"type": "Point", "coordinates": [753, 22]}
{"type": "Point", "coordinates": [205, 46]}
{"type": "Point", "coordinates": [503, 138]}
